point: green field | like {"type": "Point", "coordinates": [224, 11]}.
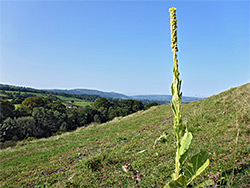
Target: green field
{"type": "Point", "coordinates": [93, 156]}
{"type": "Point", "coordinates": [77, 102]}
{"type": "Point", "coordinates": [65, 100]}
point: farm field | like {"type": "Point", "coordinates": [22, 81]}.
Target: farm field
{"type": "Point", "coordinates": [65, 100]}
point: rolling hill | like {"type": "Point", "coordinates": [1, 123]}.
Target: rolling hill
{"type": "Point", "coordinates": [164, 98]}
{"type": "Point", "coordinates": [91, 92]}
{"type": "Point", "coordinates": [18, 93]}
{"type": "Point", "coordinates": [93, 156]}
{"type": "Point", "coordinates": [75, 93]}
{"type": "Point", "coordinates": [152, 98]}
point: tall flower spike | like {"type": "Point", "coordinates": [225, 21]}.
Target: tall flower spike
{"type": "Point", "coordinates": [175, 88]}
{"type": "Point", "coordinates": [199, 161]}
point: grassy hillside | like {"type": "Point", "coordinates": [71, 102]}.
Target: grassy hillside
{"type": "Point", "coordinates": [94, 156]}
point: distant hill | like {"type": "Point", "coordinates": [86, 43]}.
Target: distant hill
{"type": "Point", "coordinates": [164, 98]}
{"type": "Point", "coordinates": [91, 92]}
{"type": "Point", "coordinates": [18, 94]}
{"type": "Point", "coordinates": [150, 98]}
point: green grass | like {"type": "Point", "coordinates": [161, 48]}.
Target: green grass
{"type": "Point", "coordinates": [65, 100]}
{"type": "Point", "coordinates": [77, 102]}
{"type": "Point", "coordinates": [82, 103]}
{"type": "Point", "coordinates": [93, 156]}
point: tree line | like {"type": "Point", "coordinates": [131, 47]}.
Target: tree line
{"type": "Point", "coordinates": [42, 117]}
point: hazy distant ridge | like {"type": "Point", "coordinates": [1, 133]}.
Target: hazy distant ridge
{"type": "Point", "coordinates": [162, 98]}
{"type": "Point", "coordinates": [148, 98]}
{"type": "Point", "coordinates": [157, 98]}
{"type": "Point", "coordinates": [91, 92]}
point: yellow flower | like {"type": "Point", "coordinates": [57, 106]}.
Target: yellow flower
{"type": "Point", "coordinates": [172, 9]}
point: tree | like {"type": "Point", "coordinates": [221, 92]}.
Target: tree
{"type": "Point", "coordinates": [97, 118]}
{"type": "Point", "coordinates": [46, 122]}
{"type": "Point", "coordinates": [56, 105]}
{"type": "Point", "coordinates": [20, 98]}
{"type": "Point", "coordinates": [150, 105]}
{"type": "Point", "coordinates": [6, 110]}
{"type": "Point", "coordinates": [8, 130]}
{"type": "Point", "coordinates": [32, 102]}
{"type": "Point", "coordinates": [137, 106]}
{"type": "Point", "coordinates": [129, 106]}
{"type": "Point", "coordinates": [103, 105]}
{"type": "Point", "coordinates": [26, 126]}
{"type": "Point", "coordinates": [113, 112]}
{"type": "Point", "coordinates": [72, 119]}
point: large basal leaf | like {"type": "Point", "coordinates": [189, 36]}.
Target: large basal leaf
{"type": "Point", "coordinates": [197, 165]}
{"type": "Point", "coordinates": [181, 182]}
{"type": "Point", "coordinates": [185, 144]}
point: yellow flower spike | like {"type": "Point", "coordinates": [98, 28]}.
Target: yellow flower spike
{"type": "Point", "coordinates": [175, 88]}
{"type": "Point", "coordinates": [199, 161]}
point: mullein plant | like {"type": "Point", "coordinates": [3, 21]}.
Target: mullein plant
{"type": "Point", "coordinates": [184, 174]}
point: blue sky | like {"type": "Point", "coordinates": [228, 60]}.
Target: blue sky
{"type": "Point", "coordinates": [124, 46]}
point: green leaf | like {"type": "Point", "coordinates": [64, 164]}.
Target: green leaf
{"type": "Point", "coordinates": [173, 176]}
{"type": "Point", "coordinates": [173, 107]}
{"type": "Point", "coordinates": [162, 138]}
{"type": "Point", "coordinates": [181, 182]}
{"type": "Point", "coordinates": [172, 89]}
{"type": "Point", "coordinates": [185, 144]}
{"type": "Point", "coordinates": [197, 165]}
{"type": "Point", "coordinates": [206, 183]}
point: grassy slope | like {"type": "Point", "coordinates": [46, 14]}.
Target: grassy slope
{"type": "Point", "coordinates": [214, 122]}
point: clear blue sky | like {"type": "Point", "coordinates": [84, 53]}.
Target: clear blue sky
{"type": "Point", "coordinates": [124, 46]}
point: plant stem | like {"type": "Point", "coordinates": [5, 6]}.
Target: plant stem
{"type": "Point", "coordinates": [175, 89]}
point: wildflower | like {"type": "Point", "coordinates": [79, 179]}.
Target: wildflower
{"type": "Point", "coordinates": [199, 161]}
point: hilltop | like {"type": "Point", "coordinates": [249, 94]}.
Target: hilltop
{"type": "Point", "coordinates": [93, 156]}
